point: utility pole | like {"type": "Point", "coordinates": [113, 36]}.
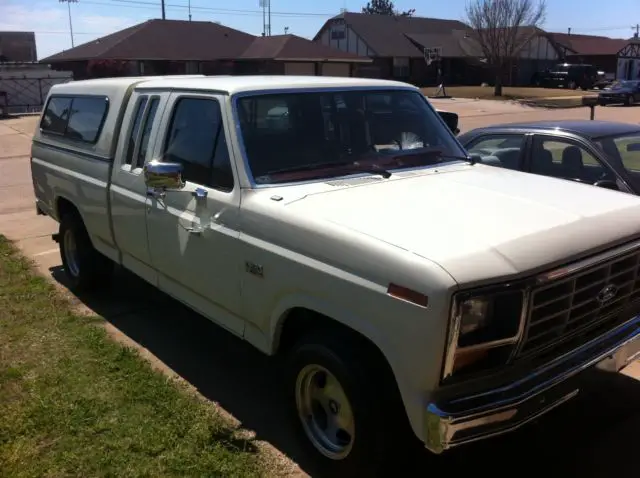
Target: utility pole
{"type": "Point", "coordinates": [164, 16]}
{"type": "Point", "coordinates": [637, 29]}
{"type": "Point", "coordinates": [189, 10]}
{"type": "Point", "coordinates": [266, 17]}
{"type": "Point", "coordinates": [68, 2]}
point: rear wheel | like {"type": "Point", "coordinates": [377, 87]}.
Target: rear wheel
{"type": "Point", "coordinates": [343, 405]}
{"type": "Point", "coordinates": [84, 267]}
{"type": "Point", "coordinates": [630, 101]}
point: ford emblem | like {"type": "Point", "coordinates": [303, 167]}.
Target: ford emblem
{"type": "Point", "coordinates": [608, 293]}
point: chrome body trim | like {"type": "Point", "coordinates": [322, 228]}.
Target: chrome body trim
{"type": "Point", "coordinates": [240, 139]}
{"type": "Point", "coordinates": [505, 408]}
{"type": "Point", "coordinates": [561, 272]}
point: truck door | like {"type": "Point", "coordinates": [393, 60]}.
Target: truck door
{"type": "Point", "coordinates": [193, 233]}
{"type": "Point", "coordinates": [128, 193]}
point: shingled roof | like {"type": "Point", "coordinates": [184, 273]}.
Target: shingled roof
{"type": "Point", "coordinates": [178, 40]}
{"type": "Point", "coordinates": [390, 35]}
{"type": "Point", "coordinates": [457, 44]}
{"type": "Point", "coordinates": [162, 40]}
{"type": "Point", "coordinates": [588, 44]}
{"type": "Point", "coordinates": [293, 47]}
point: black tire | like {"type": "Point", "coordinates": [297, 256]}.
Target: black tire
{"type": "Point", "coordinates": [629, 101]}
{"type": "Point", "coordinates": [91, 269]}
{"type": "Point", "coordinates": [381, 425]}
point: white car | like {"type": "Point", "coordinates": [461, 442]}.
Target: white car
{"type": "Point", "coordinates": [338, 222]}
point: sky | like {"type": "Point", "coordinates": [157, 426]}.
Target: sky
{"type": "Point", "coordinates": [91, 19]}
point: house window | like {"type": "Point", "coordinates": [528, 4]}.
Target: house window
{"type": "Point", "coordinates": [400, 67]}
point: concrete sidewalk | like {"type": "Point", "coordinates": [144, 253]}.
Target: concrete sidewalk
{"type": "Point", "coordinates": [18, 219]}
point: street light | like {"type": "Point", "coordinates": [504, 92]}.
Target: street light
{"type": "Point", "coordinates": [69, 2]}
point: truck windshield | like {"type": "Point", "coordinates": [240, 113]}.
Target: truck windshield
{"type": "Point", "coordinates": [300, 136]}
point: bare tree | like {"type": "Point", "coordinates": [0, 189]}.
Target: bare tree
{"type": "Point", "coordinates": [502, 28]}
{"type": "Point", "coordinates": [385, 7]}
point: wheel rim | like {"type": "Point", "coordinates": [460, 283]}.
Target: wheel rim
{"type": "Point", "coordinates": [325, 412]}
{"type": "Point", "coordinates": [71, 253]}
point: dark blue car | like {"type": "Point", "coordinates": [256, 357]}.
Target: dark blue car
{"type": "Point", "coordinates": [600, 153]}
{"type": "Point", "coordinates": [621, 92]}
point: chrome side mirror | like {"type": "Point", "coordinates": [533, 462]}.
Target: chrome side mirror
{"type": "Point", "coordinates": [158, 175]}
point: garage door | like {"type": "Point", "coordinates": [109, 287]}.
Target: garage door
{"type": "Point", "coordinates": [305, 69]}
{"type": "Point", "coordinates": [336, 69]}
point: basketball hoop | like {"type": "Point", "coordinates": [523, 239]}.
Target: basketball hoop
{"type": "Point", "coordinates": [432, 54]}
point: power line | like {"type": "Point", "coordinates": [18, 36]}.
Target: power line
{"type": "Point", "coordinates": [229, 11]}
{"type": "Point", "coordinates": [597, 29]}
{"type": "Point", "coordinates": [150, 5]}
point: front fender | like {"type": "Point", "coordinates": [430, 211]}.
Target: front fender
{"type": "Point", "coordinates": [324, 307]}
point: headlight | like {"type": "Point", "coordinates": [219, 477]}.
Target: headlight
{"type": "Point", "coordinates": [484, 330]}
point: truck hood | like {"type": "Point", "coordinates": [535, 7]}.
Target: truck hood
{"type": "Point", "coordinates": [481, 222]}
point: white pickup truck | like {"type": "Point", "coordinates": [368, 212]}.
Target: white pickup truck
{"type": "Point", "coordinates": [338, 222]}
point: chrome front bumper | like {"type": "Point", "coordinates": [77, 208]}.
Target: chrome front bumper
{"type": "Point", "coordinates": [500, 410]}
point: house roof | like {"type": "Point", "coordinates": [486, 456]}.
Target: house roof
{"type": "Point", "coordinates": [389, 35]}
{"type": "Point", "coordinates": [180, 40]}
{"type": "Point", "coordinates": [589, 44]}
{"type": "Point", "coordinates": [457, 44]}
{"type": "Point", "coordinates": [162, 40]}
{"type": "Point", "coordinates": [293, 47]}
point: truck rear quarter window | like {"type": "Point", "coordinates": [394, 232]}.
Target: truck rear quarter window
{"type": "Point", "coordinates": [146, 131]}
{"type": "Point", "coordinates": [79, 118]}
{"type": "Point", "coordinates": [133, 135]}
{"type": "Point", "coordinates": [56, 115]}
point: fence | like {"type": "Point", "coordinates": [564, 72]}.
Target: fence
{"type": "Point", "coordinates": [27, 93]}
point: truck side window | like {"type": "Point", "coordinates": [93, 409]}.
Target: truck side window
{"type": "Point", "coordinates": [75, 117]}
{"type": "Point", "coordinates": [133, 136]}
{"type": "Point", "coordinates": [87, 115]}
{"type": "Point", "coordinates": [196, 140]}
{"type": "Point", "coordinates": [56, 115]}
{"type": "Point", "coordinates": [146, 131]}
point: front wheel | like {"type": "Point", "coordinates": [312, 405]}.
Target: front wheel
{"type": "Point", "coordinates": [336, 395]}
{"type": "Point", "coordinates": [84, 267]}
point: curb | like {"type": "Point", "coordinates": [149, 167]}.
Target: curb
{"type": "Point", "coordinates": [550, 106]}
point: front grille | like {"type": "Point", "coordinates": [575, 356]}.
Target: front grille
{"type": "Point", "coordinates": [591, 299]}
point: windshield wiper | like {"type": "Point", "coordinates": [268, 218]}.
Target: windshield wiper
{"type": "Point", "coordinates": [429, 153]}
{"type": "Point", "coordinates": [342, 166]}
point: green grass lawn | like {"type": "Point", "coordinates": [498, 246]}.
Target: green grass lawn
{"type": "Point", "coordinates": [74, 403]}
